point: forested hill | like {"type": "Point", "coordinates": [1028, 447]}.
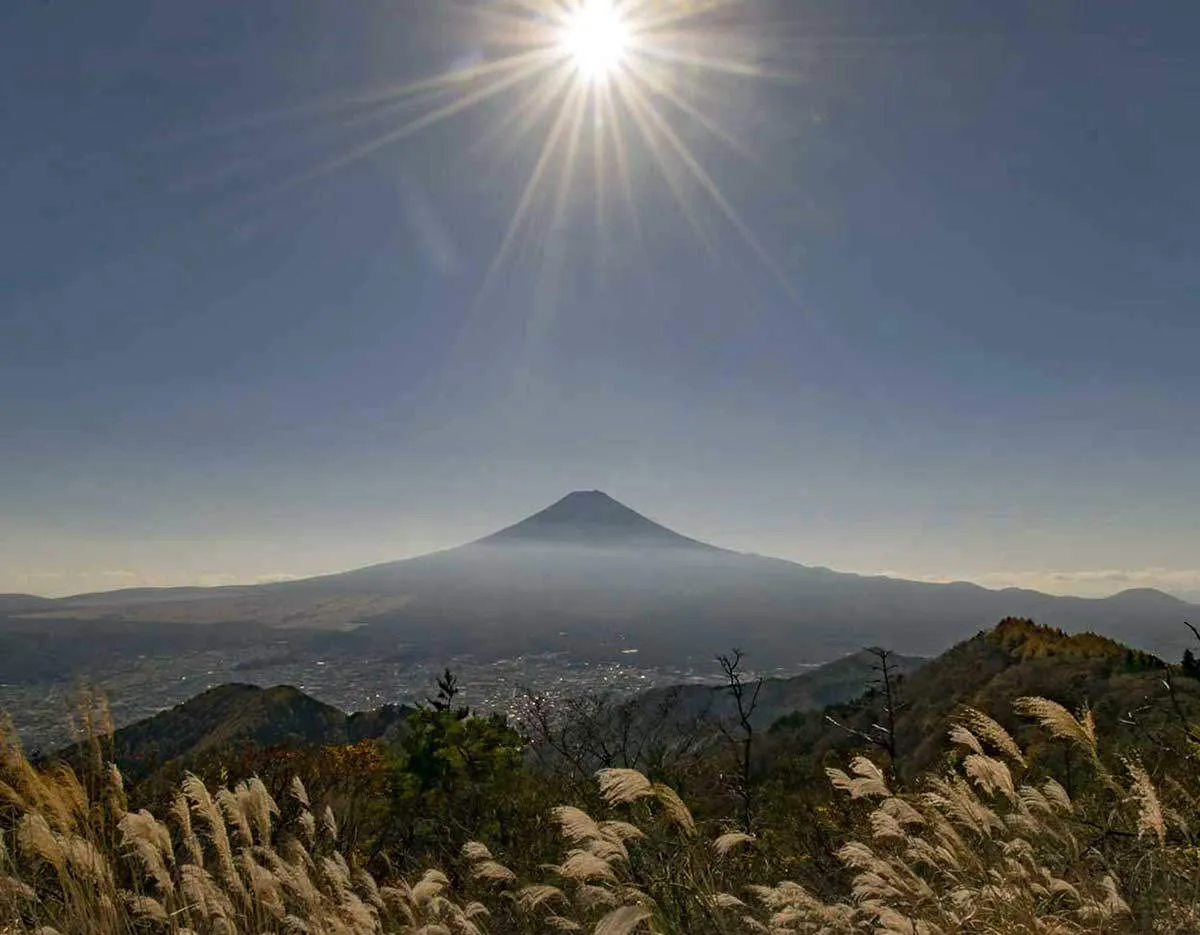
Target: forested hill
{"type": "Point", "coordinates": [832, 683]}
{"type": "Point", "coordinates": [227, 717]}
{"type": "Point", "coordinates": [1016, 658]}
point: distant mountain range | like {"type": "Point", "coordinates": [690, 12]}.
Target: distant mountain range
{"type": "Point", "coordinates": [590, 575]}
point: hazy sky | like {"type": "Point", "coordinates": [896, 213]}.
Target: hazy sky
{"type": "Point", "coordinates": [235, 344]}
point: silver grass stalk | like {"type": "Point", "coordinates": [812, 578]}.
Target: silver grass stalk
{"type": "Point", "coordinates": [536, 895]}
{"type": "Point", "coordinates": [674, 808]}
{"type": "Point", "coordinates": [1059, 722]}
{"type": "Point", "coordinates": [990, 774]}
{"type": "Point", "coordinates": [492, 871]}
{"type": "Point", "coordinates": [1150, 813]}
{"type": "Point", "coordinates": [329, 826]}
{"type": "Point", "coordinates": [585, 866]}
{"type": "Point", "coordinates": [475, 850]}
{"type": "Point", "coordinates": [622, 786]}
{"type": "Point", "coordinates": [622, 921]}
{"type": "Point", "coordinates": [990, 731]}
{"type": "Point", "coordinates": [297, 791]}
{"type": "Point", "coordinates": [731, 839]}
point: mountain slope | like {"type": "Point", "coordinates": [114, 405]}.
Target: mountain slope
{"type": "Point", "coordinates": [23, 603]}
{"type": "Point", "coordinates": [590, 518]}
{"type": "Point", "coordinates": [588, 574]}
{"type": "Point", "coordinates": [990, 671]}
{"type": "Point", "coordinates": [832, 683]}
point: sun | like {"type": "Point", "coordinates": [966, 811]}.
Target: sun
{"type": "Point", "coordinates": [607, 95]}
{"type": "Point", "coordinates": [595, 38]}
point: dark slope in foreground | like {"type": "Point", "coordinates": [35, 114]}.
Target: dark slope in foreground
{"type": "Point", "coordinates": [588, 573]}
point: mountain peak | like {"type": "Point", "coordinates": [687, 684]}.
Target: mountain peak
{"type": "Point", "coordinates": [589, 517]}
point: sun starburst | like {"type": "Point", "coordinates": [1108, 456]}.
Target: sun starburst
{"type": "Point", "coordinates": [594, 93]}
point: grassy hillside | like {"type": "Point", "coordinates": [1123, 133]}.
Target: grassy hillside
{"type": "Point", "coordinates": [1014, 659]}
{"type": "Point", "coordinates": [1073, 810]}
{"type": "Point", "coordinates": [459, 836]}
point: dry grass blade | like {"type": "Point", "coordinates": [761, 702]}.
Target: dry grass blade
{"type": "Point", "coordinates": [329, 826]}
{"type": "Point", "coordinates": [621, 786]}
{"type": "Point", "coordinates": [1150, 813]}
{"type": "Point", "coordinates": [142, 833]}
{"type": "Point", "coordinates": [144, 907]}
{"type": "Point", "coordinates": [622, 921]}
{"type": "Point", "coordinates": [990, 774]}
{"type": "Point", "coordinates": [475, 850]}
{"type": "Point", "coordinates": [990, 731]}
{"type": "Point", "coordinates": [34, 837]}
{"type": "Point", "coordinates": [1061, 723]}
{"type": "Point", "coordinates": [867, 779]}
{"type": "Point", "coordinates": [575, 823]}
{"type": "Point", "coordinates": [585, 866]}
{"type": "Point", "coordinates": [964, 738]}
{"type": "Point", "coordinates": [297, 791]}
{"type": "Point", "coordinates": [621, 831]}
{"type": "Point", "coordinates": [431, 885]}
{"type": "Point", "coordinates": [674, 808]}
{"type": "Point", "coordinates": [731, 839]}
{"type": "Point", "coordinates": [492, 871]}
{"type": "Point", "coordinates": [537, 894]}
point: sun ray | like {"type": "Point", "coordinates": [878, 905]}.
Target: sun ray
{"type": "Point", "coordinates": [660, 15]}
{"type": "Point", "coordinates": [446, 111]}
{"type": "Point", "coordinates": [642, 70]}
{"type": "Point", "coordinates": [574, 108]}
{"type": "Point", "coordinates": [650, 136]}
{"type": "Point", "coordinates": [706, 182]}
{"type": "Point", "coordinates": [578, 108]}
{"type": "Point", "coordinates": [663, 89]}
{"type": "Point", "coordinates": [621, 157]}
{"type": "Point", "coordinates": [600, 160]}
{"type": "Point", "coordinates": [531, 186]}
{"type": "Point", "coordinates": [510, 130]}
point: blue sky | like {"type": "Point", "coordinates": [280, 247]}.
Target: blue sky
{"type": "Point", "coordinates": [965, 345]}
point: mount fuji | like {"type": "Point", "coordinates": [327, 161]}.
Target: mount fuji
{"type": "Point", "coordinates": [589, 574]}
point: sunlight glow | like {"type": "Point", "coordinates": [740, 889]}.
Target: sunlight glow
{"type": "Point", "coordinates": [596, 38]}
{"type": "Point", "coordinates": [607, 98]}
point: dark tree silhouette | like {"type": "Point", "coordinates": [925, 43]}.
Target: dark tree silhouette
{"type": "Point", "coordinates": [447, 690]}
{"type": "Point", "coordinates": [745, 699]}
{"type": "Point", "coordinates": [887, 686]}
